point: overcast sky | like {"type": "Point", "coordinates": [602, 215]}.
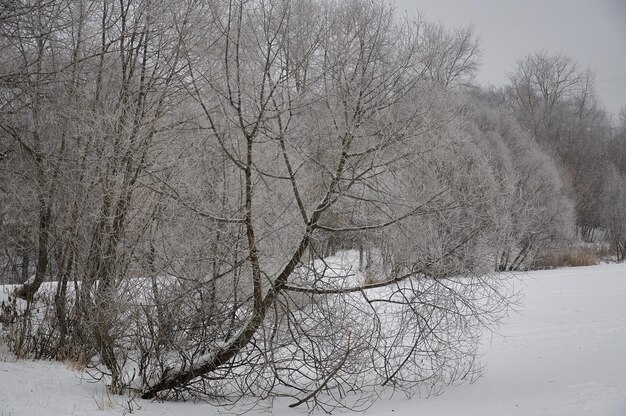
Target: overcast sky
{"type": "Point", "coordinates": [593, 32]}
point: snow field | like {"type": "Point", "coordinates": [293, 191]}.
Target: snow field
{"type": "Point", "coordinates": [564, 353]}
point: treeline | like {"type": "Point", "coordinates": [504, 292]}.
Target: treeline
{"type": "Point", "coordinates": [556, 102]}
{"type": "Point", "coordinates": [179, 172]}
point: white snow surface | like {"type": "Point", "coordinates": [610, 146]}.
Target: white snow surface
{"type": "Point", "coordinates": [564, 353]}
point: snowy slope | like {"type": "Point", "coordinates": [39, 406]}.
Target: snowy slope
{"type": "Point", "coordinates": [563, 354]}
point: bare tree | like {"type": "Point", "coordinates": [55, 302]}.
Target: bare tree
{"type": "Point", "coordinates": [316, 139]}
{"type": "Point", "coordinates": [615, 212]}
{"type": "Point", "coordinates": [612, 188]}
{"type": "Point", "coordinates": [556, 101]}
{"type": "Point", "coordinates": [450, 58]}
{"type": "Point", "coordinates": [537, 212]}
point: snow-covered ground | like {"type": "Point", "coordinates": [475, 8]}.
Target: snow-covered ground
{"type": "Point", "coordinates": [563, 354]}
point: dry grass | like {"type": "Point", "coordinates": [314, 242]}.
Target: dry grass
{"type": "Point", "coordinates": [572, 257]}
{"type": "Point", "coordinates": [369, 280]}
{"type": "Point", "coordinates": [77, 363]}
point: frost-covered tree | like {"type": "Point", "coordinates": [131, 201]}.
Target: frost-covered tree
{"type": "Point", "coordinates": [536, 211]}
{"type": "Point", "coordinates": [198, 164]}
{"type": "Point", "coordinates": [556, 101]}
{"type": "Point", "coordinates": [328, 136]}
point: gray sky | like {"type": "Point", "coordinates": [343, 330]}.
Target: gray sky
{"type": "Point", "coordinates": [593, 32]}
